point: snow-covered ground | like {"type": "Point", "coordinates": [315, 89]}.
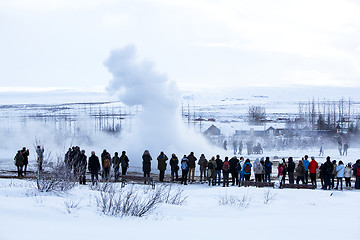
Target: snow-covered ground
{"type": "Point", "coordinates": [294, 214]}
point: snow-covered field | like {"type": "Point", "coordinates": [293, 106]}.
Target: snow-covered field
{"type": "Point", "coordinates": [294, 214]}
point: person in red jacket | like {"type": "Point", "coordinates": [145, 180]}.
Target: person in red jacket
{"type": "Point", "coordinates": [313, 166]}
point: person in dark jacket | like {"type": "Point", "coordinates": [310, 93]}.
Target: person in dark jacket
{"type": "Point", "coordinates": [174, 164]}
{"type": "Point", "coordinates": [234, 173]}
{"type": "Point", "coordinates": [356, 166]}
{"type": "Point", "coordinates": [105, 163]}
{"type": "Point", "coordinates": [219, 165]}
{"type": "Point", "coordinates": [162, 158]}
{"type": "Point", "coordinates": [82, 163]}
{"type": "Point", "coordinates": [124, 160]}
{"type": "Point", "coordinates": [184, 169]}
{"type": "Point", "coordinates": [300, 173]}
{"type": "Point", "coordinates": [328, 170]}
{"type": "Point", "coordinates": [226, 171]}
{"type": "Point", "coordinates": [19, 163]}
{"type": "Point", "coordinates": [192, 159]}
{"type": "Point", "coordinates": [116, 165]}
{"type": "Point", "coordinates": [25, 153]}
{"type": "Point", "coordinates": [268, 169]}
{"type": "Point", "coordinates": [291, 169]}
{"type": "Point", "coordinates": [203, 162]}
{"type": "Point", "coordinates": [146, 164]}
{"type": "Point", "coordinates": [94, 167]}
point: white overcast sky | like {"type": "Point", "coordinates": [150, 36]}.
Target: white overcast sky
{"type": "Point", "coordinates": [63, 43]}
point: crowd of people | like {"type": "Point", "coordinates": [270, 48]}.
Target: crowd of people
{"type": "Point", "coordinates": [213, 171]}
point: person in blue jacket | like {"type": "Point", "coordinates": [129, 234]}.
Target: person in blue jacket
{"type": "Point", "coordinates": [306, 165]}
{"type": "Point", "coordinates": [247, 170]}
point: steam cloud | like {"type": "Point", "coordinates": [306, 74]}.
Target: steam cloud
{"type": "Point", "coordinates": [159, 126]}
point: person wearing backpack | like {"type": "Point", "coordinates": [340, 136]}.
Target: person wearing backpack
{"type": "Point", "coordinates": [184, 169]}
{"type": "Point", "coordinates": [219, 165]}
{"type": "Point", "coordinates": [234, 173]}
{"type": "Point", "coordinates": [347, 176]}
{"type": "Point", "coordinates": [268, 169]}
{"type": "Point", "coordinates": [211, 171]}
{"type": "Point", "coordinates": [162, 158]}
{"type": "Point", "coordinates": [106, 163]}
{"type": "Point", "coordinates": [257, 170]}
{"type": "Point", "coordinates": [226, 171]}
{"type": "Point", "coordinates": [203, 162]}
{"type": "Point", "coordinates": [247, 170]}
{"type": "Point", "coordinates": [174, 164]}
{"type": "Point", "coordinates": [340, 169]}
{"type": "Point", "coordinates": [356, 169]}
{"type": "Point", "coordinates": [300, 173]}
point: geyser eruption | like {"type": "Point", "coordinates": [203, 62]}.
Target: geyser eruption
{"type": "Point", "coordinates": [159, 126]}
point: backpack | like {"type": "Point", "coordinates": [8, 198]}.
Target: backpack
{"type": "Point", "coordinates": [106, 163]}
{"type": "Point", "coordinates": [226, 166]}
{"type": "Point", "coordinates": [210, 165]}
{"type": "Point", "coordinates": [184, 165]}
{"type": "Point", "coordinates": [358, 171]}
{"type": "Point", "coordinates": [247, 168]}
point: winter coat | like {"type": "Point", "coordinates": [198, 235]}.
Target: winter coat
{"type": "Point", "coordinates": [174, 164]}
{"type": "Point", "coordinates": [291, 166]}
{"type": "Point", "coordinates": [313, 165]}
{"type": "Point", "coordinates": [40, 153]}
{"type": "Point", "coordinates": [306, 164]}
{"type": "Point", "coordinates": [340, 171]}
{"type": "Point", "coordinates": [219, 164]}
{"type": "Point", "coordinates": [203, 163]}
{"type": "Point", "coordinates": [300, 170]}
{"type": "Point", "coordinates": [334, 169]}
{"type": "Point", "coordinates": [116, 162]}
{"type": "Point", "coordinates": [124, 160]}
{"type": "Point", "coordinates": [146, 162]}
{"type": "Point", "coordinates": [281, 169]}
{"type": "Point", "coordinates": [347, 172]}
{"type": "Point", "coordinates": [162, 162]}
{"type": "Point", "coordinates": [233, 163]}
{"type": "Point", "coordinates": [19, 160]}
{"type": "Point", "coordinates": [244, 168]}
{"type": "Point", "coordinates": [212, 172]}
{"type": "Point", "coordinates": [268, 166]}
{"type": "Point", "coordinates": [328, 167]}
{"type": "Point", "coordinates": [105, 155]}
{"type": "Point", "coordinates": [25, 155]}
{"type": "Point", "coordinates": [184, 164]}
{"type": "Point", "coordinates": [94, 163]}
{"type": "Point", "coordinates": [192, 159]}
{"type": "Point", "coordinates": [226, 167]}
{"type": "Point", "coordinates": [257, 167]}
{"type": "Point", "coordinates": [82, 163]}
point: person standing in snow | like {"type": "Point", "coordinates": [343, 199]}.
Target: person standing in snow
{"type": "Point", "coordinates": [281, 169]}
{"type": "Point", "coordinates": [40, 157]}
{"type": "Point", "coordinates": [185, 169]}
{"type": "Point", "coordinates": [333, 175]}
{"type": "Point", "coordinates": [116, 165]}
{"type": "Point", "coordinates": [240, 147]}
{"type": "Point", "coordinates": [340, 147]}
{"type": "Point", "coordinates": [234, 173]}
{"type": "Point", "coordinates": [162, 158]}
{"type": "Point", "coordinates": [313, 166]}
{"type": "Point", "coordinates": [124, 160]}
{"type": "Point", "coordinates": [306, 165]}
{"type": "Point", "coordinates": [347, 176]}
{"type": "Point", "coordinates": [339, 175]}
{"type": "Point", "coordinates": [19, 163]}
{"type": "Point", "coordinates": [300, 172]}
{"type": "Point", "coordinates": [25, 153]}
{"type": "Point", "coordinates": [192, 164]}
{"type": "Point", "coordinates": [239, 170]}
{"type": "Point", "coordinates": [268, 169]}
{"type": "Point", "coordinates": [247, 170]}
{"type": "Point", "coordinates": [235, 146]}
{"type": "Point", "coordinates": [226, 170]}
{"type": "Point", "coordinates": [257, 170]}
{"type": "Point", "coordinates": [105, 163]}
{"type": "Point", "coordinates": [174, 165]}
{"type": "Point", "coordinates": [356, 170]}
{"type": "Point", "coordinates": [146, 164]}
{"type": "Point", "coordinates": [212, 171]}
{"type": "Point", "coordinates": [346, 147]}
{"type": "Point", "coordinates": [82, 163]}
{"type": "Point", "coordinates": [94, 167]}
{"type": "Point", "coordinates": [225, 145]}
{"type": "Point", "coordinates": [219, 165]}
{"type": "Point", "coordinates": [328, 168]}
{"type": "Point", "coordinates": [203, 164]}
{"type": "Point", "coordinates": [290, 170]}
{"type": "Point", "coordinates": [321, 153]}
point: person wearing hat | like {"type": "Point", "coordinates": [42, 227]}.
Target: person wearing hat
{"type": "Point", "coordinates": [313, 166]}
{"type": "Point", "coordinates": [124, 160]}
